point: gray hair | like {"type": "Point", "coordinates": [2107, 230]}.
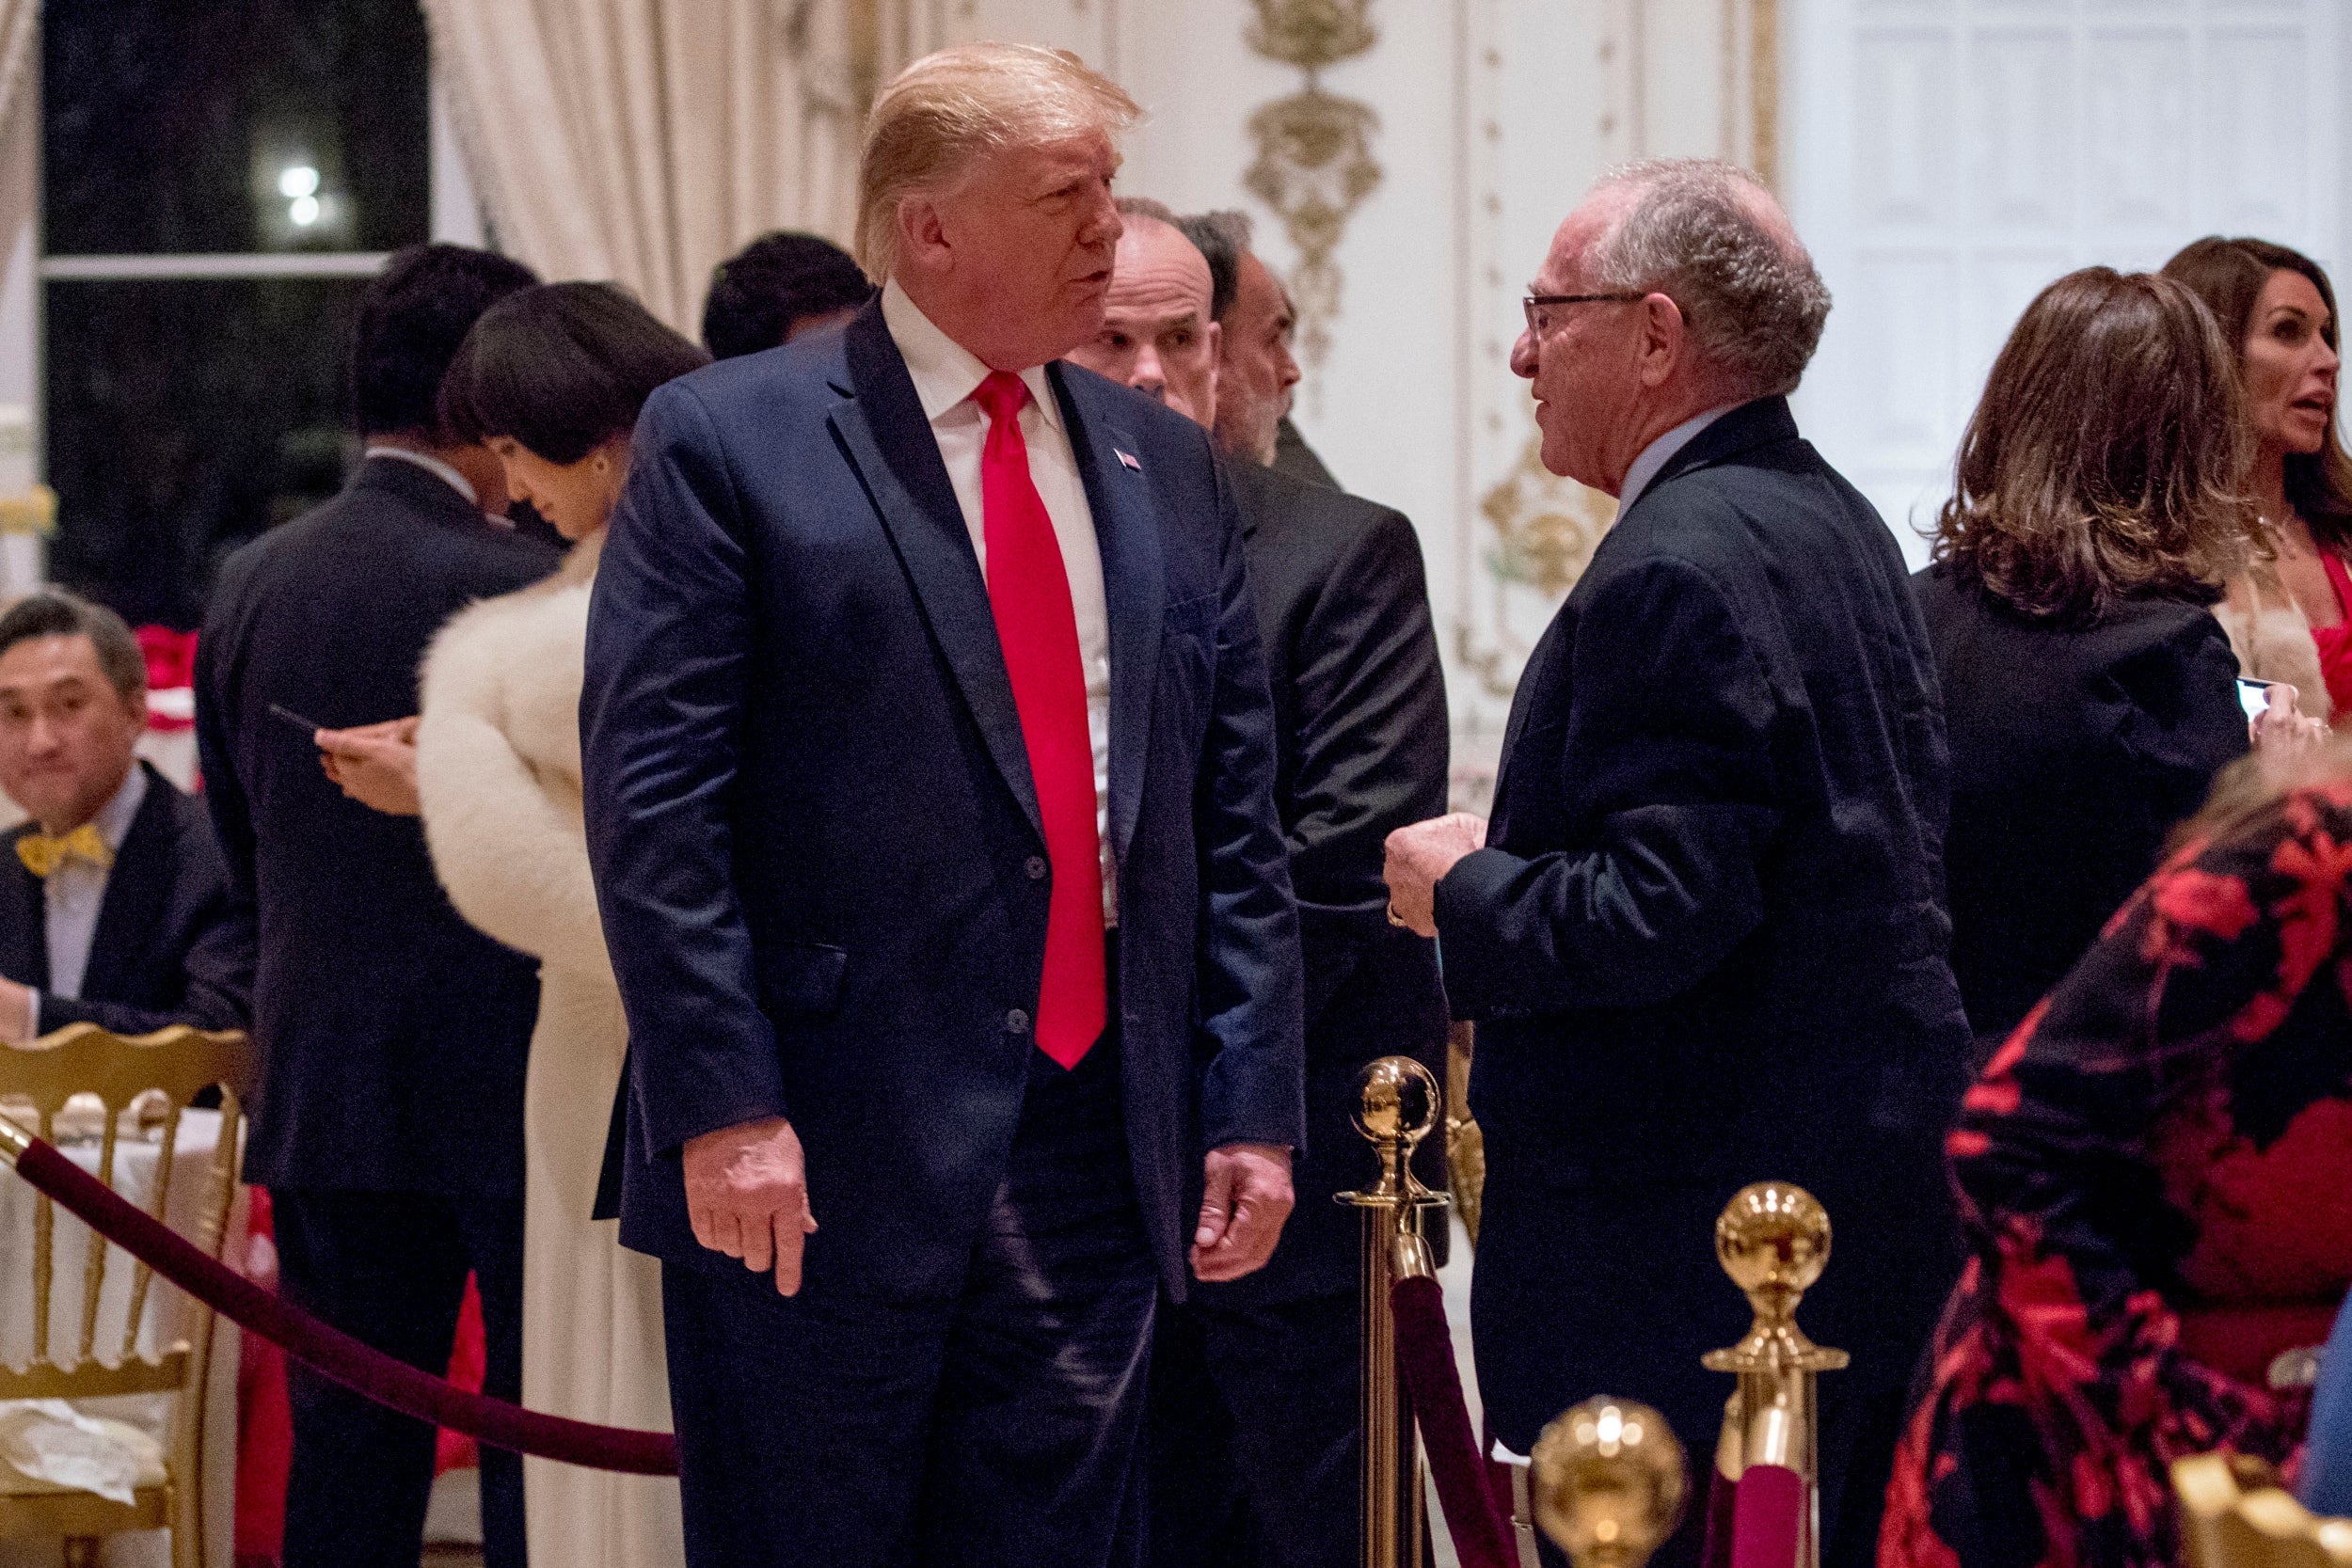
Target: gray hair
{"type": "Point", "coordinates": [1710, 237]}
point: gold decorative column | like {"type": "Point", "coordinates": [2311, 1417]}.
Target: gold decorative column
{"type": "Point", "coordinates": [1398, 1107]}
{"type": "Point", "coordinates": [1314, 164]}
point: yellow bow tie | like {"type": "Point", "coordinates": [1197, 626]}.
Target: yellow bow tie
{"type": "Point", "coordinates": [43, 854]}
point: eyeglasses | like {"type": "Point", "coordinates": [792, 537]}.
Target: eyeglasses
{"type": "Point", "coordinates": [1540, 325]}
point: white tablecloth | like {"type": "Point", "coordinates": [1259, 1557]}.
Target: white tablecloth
{"type": "Point", "coordinates": [135, 1162]}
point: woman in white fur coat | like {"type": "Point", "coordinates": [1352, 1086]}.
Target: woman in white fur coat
{"type": "Point", "coordinates": [552, 379]}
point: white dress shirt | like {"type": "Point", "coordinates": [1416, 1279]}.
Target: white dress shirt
{"type": "Point", "coordinates": [1660, 453]}
{"type": "Point", "coordinates": [433, 466]}
{"type": "Point", "coordinates": [76, 888]}
{"type": "Point", "coordinates": [945, 374]}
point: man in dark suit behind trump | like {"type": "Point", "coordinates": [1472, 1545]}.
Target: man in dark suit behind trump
{"type": "Point", "coordinates": [1705, 939]}
{"type": "Point", "coordinates": [928, 757]}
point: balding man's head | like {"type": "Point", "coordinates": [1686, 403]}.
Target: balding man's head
{"type": "Point", "coordinates": [1676, 286]}
{"type": "Point", "coordinates": [1157, 336]}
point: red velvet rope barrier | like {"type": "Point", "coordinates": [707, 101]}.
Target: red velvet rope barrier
{"type": "Point", "coordinates": [336, 1354]}
{"type": "Point", "coordinates": [1764, 1517]}
{"type": "Point", "coordinates": [1425, 1356]}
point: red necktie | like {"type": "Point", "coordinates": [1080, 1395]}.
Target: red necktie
{"type": "Point", "coordinates": [1028, 590]}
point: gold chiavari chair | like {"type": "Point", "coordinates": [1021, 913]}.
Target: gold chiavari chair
{"type": "Point", "coordinates": [2235, 1514]}
{"type": "Point", "coordinates": [144, 1084]}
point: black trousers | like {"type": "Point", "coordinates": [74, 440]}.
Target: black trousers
{"type": "Point", "coordinates": [390, 1269]}
{"type": "Point", "coordinates": [995, 1425]}
{"type": "Point", "coordinates": [1254, 1437]}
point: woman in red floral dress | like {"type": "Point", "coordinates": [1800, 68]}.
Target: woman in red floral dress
{"type": "Point", "coordinates": [2155, 1172]}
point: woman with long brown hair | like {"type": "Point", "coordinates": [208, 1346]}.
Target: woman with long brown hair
{"type": "Point", "coordinates": [2089, 695]}
{"type": "Point", "coordinates": [2289, 612]}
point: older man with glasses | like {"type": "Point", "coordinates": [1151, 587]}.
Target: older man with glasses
{"type": "Point", "coordinates": [1704, 932]}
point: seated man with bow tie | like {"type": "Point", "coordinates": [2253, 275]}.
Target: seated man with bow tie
{"type": "Point", "coordinates": [116, 907]}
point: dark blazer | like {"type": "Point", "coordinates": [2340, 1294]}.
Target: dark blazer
{"type": "Point", "coordinates": [1361, 749]}
{"type": "Point", "coordinates": [2075, 749]}
{"type": "Point", "coordinates": [814, 834]}
{"type": "Point", "coordinates": [393, 1033]}
{"type": "Point", "coordinates": [1706, 944]}
{"type": "Point", "coordinates": [1295, 459]}
{"type": "Point", "coordinates": [172, 944]}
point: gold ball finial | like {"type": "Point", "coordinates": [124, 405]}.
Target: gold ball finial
{"type": "Point", "coordinates": [1609, 1480]}
{"type": "Point", "coordinates": [1397, 1101]}
{"type": "Point", "coordinates": [1773, 1241]}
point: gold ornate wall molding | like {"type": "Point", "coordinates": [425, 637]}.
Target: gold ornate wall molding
{"type": "Point", "coordinates": [1314, 164]}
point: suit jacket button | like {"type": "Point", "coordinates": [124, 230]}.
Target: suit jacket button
{"type": "Point", "coordinates": [1017, 1021]}
{"type": "Point", "coordinates": [1037, 868]}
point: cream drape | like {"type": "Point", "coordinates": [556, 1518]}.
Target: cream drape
{"type": "Point", "coordinates": [17, 22]}
{"type": "Point", "coordinates": [645, 140]}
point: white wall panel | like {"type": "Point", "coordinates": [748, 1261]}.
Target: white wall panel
{"type": "Point", "coordinates": [1949, 158]}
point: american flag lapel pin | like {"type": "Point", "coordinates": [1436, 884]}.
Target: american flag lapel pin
{"type": "Point", "coordinates": [1127, 459]}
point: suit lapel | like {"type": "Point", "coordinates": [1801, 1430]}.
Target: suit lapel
{"type": "Point", "coordinates": [1126, 527]}
{"type": "Point", "coordinates": [24, 921]}
{"type": "Point", "coordinates": [136, 890]}
{"type": "Point", "coordinates": [891, 444]}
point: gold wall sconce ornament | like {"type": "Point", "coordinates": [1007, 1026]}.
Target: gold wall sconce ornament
{"type": "Point", "coordinates": [1398, 1104]}
{"type": "Point", "coordinates": [1314, 164]}
{"type": "Point", "coordinates": [1774, 1240]}
{"type": "Point", "coordinates": [1608, 1479]}
{"type": "Point", "coordinates": [34, 512]}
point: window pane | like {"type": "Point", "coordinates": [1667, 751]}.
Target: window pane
{"type": "Point", "coordinates": [184, 417]}
{"type": "Point", "coordinates": [234, 125]}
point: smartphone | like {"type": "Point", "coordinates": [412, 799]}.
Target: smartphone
{"type": "Point", "coordinates": [2255, 697]}
{"type": "Point", "coordinates": [288, 716]}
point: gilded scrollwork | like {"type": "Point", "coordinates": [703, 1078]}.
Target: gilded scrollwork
{"type": "Point", "coordinates": [1545, 529]}
{"type": "Point", "coordinates": [1314, 164]}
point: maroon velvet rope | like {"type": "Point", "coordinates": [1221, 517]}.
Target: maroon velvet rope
{"type": "Point", "coordinates": [1424, 1355]}
{"type": "Point", "coordinates": [336, 1354]}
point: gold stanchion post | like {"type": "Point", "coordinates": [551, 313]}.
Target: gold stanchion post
{"type": "Point", "coordinates": [1772, 1240]}
{"type": "Point", "coordinates": [1397, 1107]}
{"type": "Point", "coordinates": [1608, 1479]}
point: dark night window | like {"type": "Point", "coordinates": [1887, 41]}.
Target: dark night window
{"type": "Point", "coordinates": [220, 179]}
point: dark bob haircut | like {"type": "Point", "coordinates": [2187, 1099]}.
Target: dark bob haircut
{"type": "Point", "coordinates": [562, 368]}
{"type": "Point", "coordinates": [1220, 237]}
{"type": "Point", "coordinates": [2228, 274]}
{"type": "Point", "coordinates": [55, 612]}
{"type": "Point", "coordinates": [411, 321]}
{"type": "Point", "coordinates": [2107, 457]}
{"type": "Point", "coordinates": [773, 284]}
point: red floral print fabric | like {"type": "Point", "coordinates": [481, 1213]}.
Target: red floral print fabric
{"type": "Point", "coordinates": [2152, 1174]}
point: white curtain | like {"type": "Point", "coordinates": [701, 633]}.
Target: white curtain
{"type": "Point", "coordinates": [645, 140]}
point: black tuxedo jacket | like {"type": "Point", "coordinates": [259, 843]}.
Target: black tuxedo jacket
{"type": "Point", "coordinates": [1361, 749]}
{"type": "Point", "coordinates": [393, 1033]}
{"type": "Point", "coordinates": [815, 836]}
{"type": "Point", "coordinates": [1707, 942]}
{"type": "Point", "coordinates": [172, 943]}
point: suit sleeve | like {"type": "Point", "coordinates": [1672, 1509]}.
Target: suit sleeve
{"type": "Point", "coordinates": [1372, 745]}
{"type": "Point", "coordinates": [1669, 730]}
{"type": "Point", "coordinates": [216, 757]}
{"type": "Point", "coordinates": [1253, 1089]}
{"type": "Point", "coordinates": [661, 719]}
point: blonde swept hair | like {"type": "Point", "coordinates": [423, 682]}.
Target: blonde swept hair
{"type": "Point", "coordinates": [950, 108]}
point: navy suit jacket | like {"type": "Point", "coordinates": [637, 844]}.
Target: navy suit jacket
{"type": "Point", "coordinates": [1706, 944]}
{"type": "Point", "coordinates": [816, 837]}
{"type": "Point", "coordinates": [393, 1035]}
{"type": "Point", "coordinates": [172, 943]}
